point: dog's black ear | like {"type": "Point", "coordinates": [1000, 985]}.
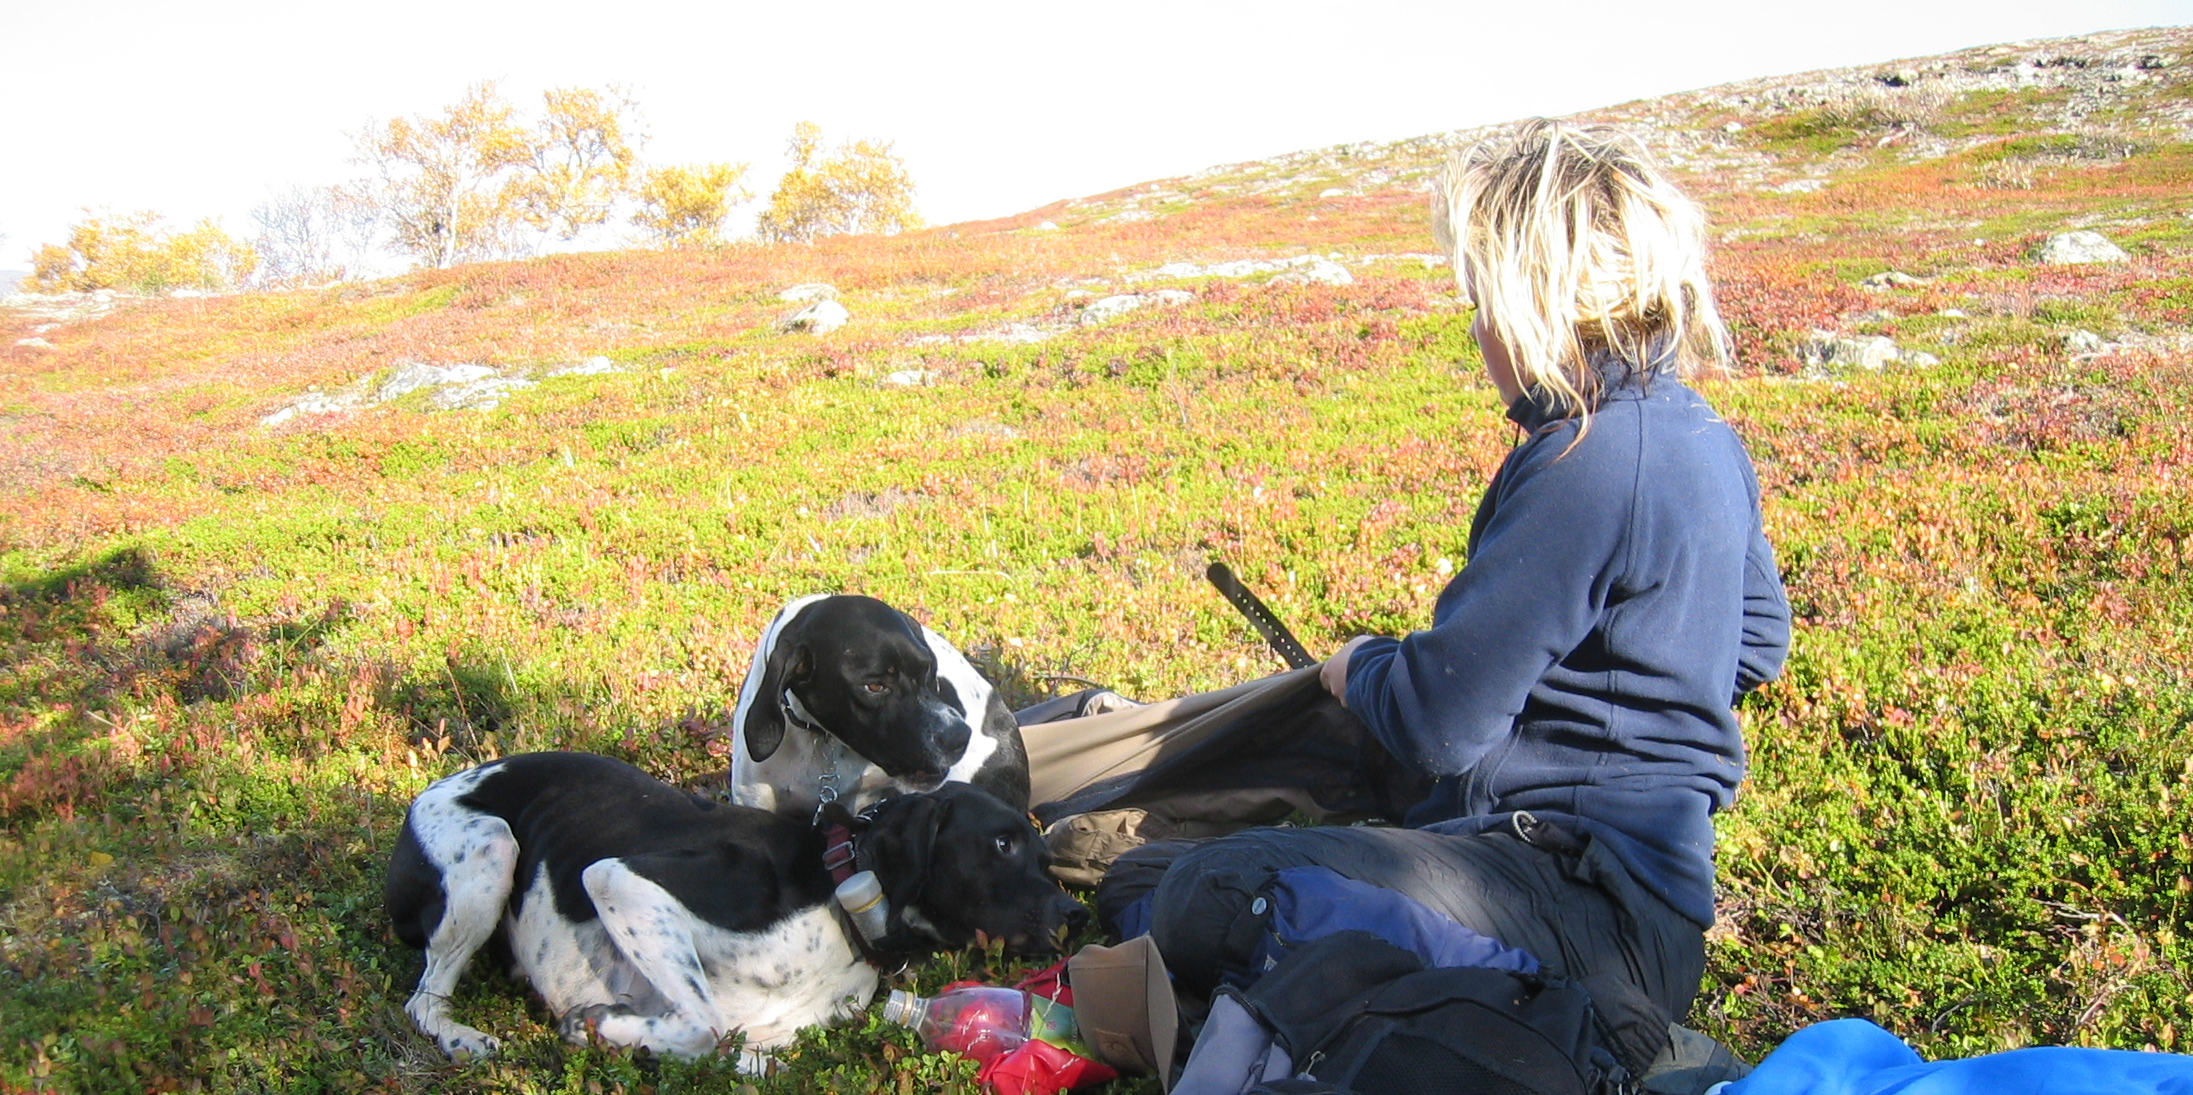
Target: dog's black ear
{"type": "Point", "coordinates": [901, 836]}
{"type": "Point", "coordinates": [788, 664]}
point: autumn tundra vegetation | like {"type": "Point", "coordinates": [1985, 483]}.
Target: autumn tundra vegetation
{"type": "Point", "coordinates": [1962, 294]}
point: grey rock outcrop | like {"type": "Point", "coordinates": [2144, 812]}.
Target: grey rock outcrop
{"type": "Point", "coordinates": [410, 376]}
{"type": "Point", "coordinates": [1828, 354]}
{"type": "Point", "coordinates": [453, 387]}
{"type": "Point", "coordinates": [593, 366]}
{"type": "Point", "coordinates": [460, 386]}
{"type": "Point", "coordinates": [1323, 271]}
{"type": "Point", "coordinates": [482, 394]}
{"type": "Point", "coordinates": [2081, 343]}
{"type": "Point", "coordinates": [66, 307]}
{"type": "Point", "coordinates": [1890, 279]}
{"type": "Point", "coordinates": [1298, 268]}
{"type": "Point", "coordinates": [819, 318]}
{"type": "Point", "coordinates": [2078, 248]}
{"type": "Point", "coordinates": [1110, 308]}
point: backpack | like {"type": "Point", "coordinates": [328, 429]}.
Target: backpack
{"type": "Point", "coordinates": [1110, 775]}
{"type": "Point", "coordinates": [1351, 1012]}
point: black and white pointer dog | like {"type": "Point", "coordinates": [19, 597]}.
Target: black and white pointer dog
{"type": "Point", "coordinates": [850, 699]}
{"type": "Point", "coordinates": [655, 917]}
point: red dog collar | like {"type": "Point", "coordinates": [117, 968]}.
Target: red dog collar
{"type": "Point", "coordinates": [837, 853]}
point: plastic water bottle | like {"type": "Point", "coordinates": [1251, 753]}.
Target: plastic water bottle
{"type": "Point", "coordinates": [861, 896]}
{"type": "Point", "coordinates": [985, 1022]}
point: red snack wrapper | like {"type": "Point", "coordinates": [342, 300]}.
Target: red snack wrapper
{"type": "Point", "coordinates": [1040, 1068]}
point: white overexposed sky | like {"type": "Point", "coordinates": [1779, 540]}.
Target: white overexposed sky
{"type": "Point", "coordinates": [204, 107]}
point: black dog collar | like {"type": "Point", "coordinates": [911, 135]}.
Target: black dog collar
{"type": "Point", "coordinates": [795, 713]}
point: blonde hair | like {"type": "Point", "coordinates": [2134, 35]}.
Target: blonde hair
{"type": "Point", "coordinates": [1573, 245]}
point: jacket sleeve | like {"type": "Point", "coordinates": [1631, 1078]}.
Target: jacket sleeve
{"type": "Point", "coordinates": [1766, 618]}
{"type": "Point", "coordinates": [1440, 700]}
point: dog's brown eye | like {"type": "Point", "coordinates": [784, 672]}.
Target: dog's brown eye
{"type": "Point", "coordinates": [1005, 845]}
{"type": "Point", "coordinates": [875, 686]}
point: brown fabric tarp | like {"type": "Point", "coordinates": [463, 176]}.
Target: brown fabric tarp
{"type": "Point", "coordinates": [1204, 765]}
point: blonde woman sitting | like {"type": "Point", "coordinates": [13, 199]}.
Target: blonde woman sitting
{"type": "Point", "coordinates": [1573, 693]}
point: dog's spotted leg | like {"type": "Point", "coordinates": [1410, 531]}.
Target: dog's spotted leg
{"type": "Point", "coordinates": [478, 859]}
{"type": "Point", "coordinates": [654, 932]}
{"type": "Point", "coordinates": [608, 1021]}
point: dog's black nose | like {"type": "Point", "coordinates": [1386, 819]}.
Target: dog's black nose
{"type": "Point", "coordinates": [1073, 914]}
{"type": "Point", "coordinates": [951, 739]}
{"type": "Point", "coordinates": [1052, 925]}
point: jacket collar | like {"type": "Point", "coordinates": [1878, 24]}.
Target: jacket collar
{"type": "Point", "coordinates": [1619, 380]}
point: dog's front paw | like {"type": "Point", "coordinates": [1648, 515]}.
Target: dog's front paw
{"type": "Point", "coordinates": [466, 1044]}
{"type": "Point", "coordinates": [583, 1025]}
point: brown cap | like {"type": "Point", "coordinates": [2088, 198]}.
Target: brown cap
{"type": "Point", "coordinates": [1123, 1003]}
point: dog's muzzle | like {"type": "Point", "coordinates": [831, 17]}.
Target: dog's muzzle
{"type": "Point", "coordinates": [1059, 912]}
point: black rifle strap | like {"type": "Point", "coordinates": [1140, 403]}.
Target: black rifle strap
{"type": "Point", "coordinates": [1260, 617]}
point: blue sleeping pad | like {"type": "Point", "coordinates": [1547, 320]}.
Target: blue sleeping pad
{"type": "Point", "coordinates": [1854, 1057]}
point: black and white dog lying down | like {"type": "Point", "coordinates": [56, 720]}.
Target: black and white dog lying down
{"type": "Point", "coordinates": [851, 699]}
{"type": "Point", "coordinates": [656, 917]}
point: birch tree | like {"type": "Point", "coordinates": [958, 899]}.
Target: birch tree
{"type": "Point", "coordinates": [445, 180]}
{"type": "Point", "coordinates": [311, 235]}
{"type": "Point", "coordinates": [481, 181]}
{"type": "Point", "coordinates": [859, 187]}
{"type": "Point", "coordinates": [135, 252]}
{"type": "Point", "coordinates": [685, 206]}
{"type": "Point", "coordinates": [583, 157]}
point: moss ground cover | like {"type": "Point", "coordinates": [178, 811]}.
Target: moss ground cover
{"type": "Point", "coordinates": [234, 652]}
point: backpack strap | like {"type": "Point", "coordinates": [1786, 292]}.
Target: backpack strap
{"type": "Point", "coordinates": [1233, 1053]}
{"type": "Point", "coordinates": [1354, 1011]}
{"type": "Point", "coordinates": [1323, 986]}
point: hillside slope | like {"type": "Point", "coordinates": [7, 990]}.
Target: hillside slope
{"type": "Point", "coordinates": [270, 562]}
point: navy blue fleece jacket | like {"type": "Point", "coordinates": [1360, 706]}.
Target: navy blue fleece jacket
{"type": "Point", "coordinates": [1619, 597]}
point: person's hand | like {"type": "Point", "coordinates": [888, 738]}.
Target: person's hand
{"type": "Point", "coordinates": [1334, 675]}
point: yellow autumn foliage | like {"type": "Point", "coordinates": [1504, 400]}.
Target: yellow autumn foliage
{"type": "Point", "coordinates": [445, 180]}
{"type": "Point", "coordinates": [481, 181]}
{"type": "Point", "coordinates": [135, 253]}
{"type": "Point", "coordinates": [584, 152]}
{"type": "Point", "coordinates": [685, 205]}
{"type": "Point", "coordinates": [860, 187]}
